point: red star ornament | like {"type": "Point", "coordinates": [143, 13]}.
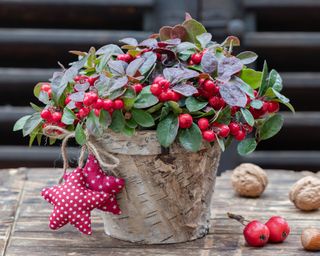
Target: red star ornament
{"type": "Point", "coordinates": [73, 202]}
{"type": "Point", "coordinates": [97, 180]}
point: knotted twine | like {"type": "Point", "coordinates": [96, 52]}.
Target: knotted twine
{"type": "Point", "coordinates": [65, 135]}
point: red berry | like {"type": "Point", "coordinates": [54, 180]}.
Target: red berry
{"type": "Point", "coordinates": [98, 104]}
{"type": "Point", "coordinates": [234, 128]}
{"type": "Point", "coordinates": [222, 103]}
{"type": "Point", "coordinates": [170, 94]}
{"type": "Point", "coordinates": [176, 96]}
{"type": "Point", "coordinates": [137, 88]}
{"type": "Point", "coordinates": [164, 97]}
{"type": "Point", "coordinates": [159, 56]}
{"type": "Point", "coordinates": [91, 80]}
{"type": "Point", "coordinates": [81, 79]}
{"type": "Point", "coordinates": [45, 114]}
{"type": "Point", "coordinates": [49, 93]}
{"type": "Point", "coordinates": [125, 57]}
{"type": "Point", "coordinates": [247, 128]}
{"type": "Point", "coordinates": [255, 93]}
{"type": "Point", "coordinates": [224, 130]}
{"type": "Point", "coordinates": [118, 104]}
{"type": "Point", "coordinates": [83, 112]}
{"type": "Point", "coordinates": [196, 58]}
{"type": "Point", "coordinates": [67, 100]}
{"type": "Point", "coordinates": [97, 112]}
{"type": "Point", "coordinates": [201, 81]}
{"type": "Point", "coordinates": [240, 135]}
{"type": "Point", "coordinates": [273, 106]}
{"type": "Point", "coordinates": [191, 63]}
{"type": "Point", "coordinates": [209, 136]}
{"type": "Point", "coordinates": [279, 229]}
{"type": "Point", "coordinates": [45, 87]}
{"type": "Point", "coordinates": [155, 89]}
{"type": "Point", "coordinates": [256, 234]}
{"type": "Point", "coordinates": [185, 121]}
{"type": "Point", "coordinates": [56, 116]}
{"type": "Point", "coordinates": [164, 84]}
{"type": "Point", "coordinates": [107, 104]}
{"type": "Point", "coordinates": [78, 105]}
{"type": "Point", "coordinates": [234, 110]}
{"type": "Point", "coordinates": [215, 102]}
{"type": "Point", "coordinates": [203, 123]}
{"type": "Point", "coordinates": [90, 98]}
{"type": "Point", "coordinates": [158, 79]}
{"type": "Point", "coordinates": [211, 87]}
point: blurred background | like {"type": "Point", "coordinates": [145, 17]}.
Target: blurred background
{"type": "Point", "coordinates": [35, 34]}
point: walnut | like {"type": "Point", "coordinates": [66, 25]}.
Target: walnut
{"type": "Point", "coordinates": [305, 193]}
{"type": "Point", "coordinates": [249, 180]}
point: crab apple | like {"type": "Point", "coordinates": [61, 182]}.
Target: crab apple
{"type": "Point", "coordinates": [156, 89]}
{"type": "Point", "coordinates": [83, 112]}
{"type": "Point", "coordinates": [273, 106]}
{"type": "Point", "coordinates": [234, 128]}
{"type": "Point", "coordinates": [107, 104]}
{"type": "Point", "coordinates": [185, 121]}
{"type": "Point", "coordinates": [56, 116]}
{"type": "Point", "coordinates": [124, 57]}
{"type": "Point", "coordinates": [118, 104]}
{"type": "Point", "coordinates": [196, 58]}
{"type": "Point", "coordinates": [45, 114]}
{"type": "Point", "coordinates": [203, 123]}
{"type": "Point", "coordinates": [208, 135]}
{"type": "Point", "coordinates": [137, 88]}
{"type": "Point", "coordinates": [45, 87]}
{"type": "Point", "coordinates": [256, 233]}
{"type": "Point", "coordinates": [224, 130]}
{"type": "Point", "coordinates": [240, 135]}
{"type": "Point", "coordinates": [279, 229]}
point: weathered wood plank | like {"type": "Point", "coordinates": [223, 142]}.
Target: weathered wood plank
{"type": "Point", "coordinates": [32, 236]}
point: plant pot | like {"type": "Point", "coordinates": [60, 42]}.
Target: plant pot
{"type": "Point", "coordinates": [168, 192]}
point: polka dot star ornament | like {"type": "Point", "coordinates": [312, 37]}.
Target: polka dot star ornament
{"type": "Point", "coordinates": [73, 202]}
{"type": "Point", "coordinates": [97, 180]}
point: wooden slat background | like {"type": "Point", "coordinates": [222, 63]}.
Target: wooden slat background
{"type": "Point", "coordinates": [24, 221]}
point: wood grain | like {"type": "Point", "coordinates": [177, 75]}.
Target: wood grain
{"type": "Point", "coordinates": [24, 221]}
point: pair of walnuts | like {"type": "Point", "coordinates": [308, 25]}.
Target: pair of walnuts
{"type": "Point", "coordinates": [250, 180]}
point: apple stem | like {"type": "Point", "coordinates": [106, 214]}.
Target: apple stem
{"type": "Point", "coordinates": [238, 218]}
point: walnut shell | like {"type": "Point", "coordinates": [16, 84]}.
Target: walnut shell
{"type": "Point", "coordinates": [305, 193]}
{"type": "Point", "coordinates": [249, 180]}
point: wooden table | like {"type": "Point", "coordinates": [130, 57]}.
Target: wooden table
{"type": "Point", "coordinates": [24, 221]}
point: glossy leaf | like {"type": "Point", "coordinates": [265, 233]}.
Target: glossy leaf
{"type": "Point", "coordinates": [68, 116]}
{"type": "Point", "coordinates": [80, 135]}
{"type": "Point", "coordinates": [129, 40]}
{"type": "Point", "coordinates": [247, 57]}
{"type": "Point", "coordinates": [191, 138]}
{"type": "Point", "coordinates": [233, 95]}
{"type": "Point", "coordinates": [246, 146]}
{"type": "Point", "coordinates": [142, 117]}
{"type": "Point", "coordinates": [167, 130]}
{"type": "Point", "coordinates": [264, 80]}
{"type": "Point", "coordinates": [204, 39]}
{"type": "Point", "coordinates": [209, 62]}
{"type": "Point", "coordinates": [150, 59]}
{"type": "Point", "coordinates": [251, 77]}
{"type": "Point", "coordinates": [118, 121]}
{"type": "Point", "coordinates": [134, 66]}
{"type": "Point", "coordinates": [185, 89]}
{"type": "Point", "coordinates": [193, 104]}
{"type": "Point", "coordinates": [31, 123]}
{"type": "Point", "coordinates": [247, 116]}
{"type": "Point", "coordinates": [20, 123]}
{"type": "Point", "coordinates": [227, 67]}
{"type": "Point", "coordinates": [271, 127]}
{"type": "Point", "coordinates": [275, 80]}
{"type": "Point", "coordinates": [194, 29]}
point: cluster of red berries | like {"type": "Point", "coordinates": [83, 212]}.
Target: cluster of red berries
{"type": "Point", "coordinates": [257, 234]}
{"type": "Point", "coordinates": [195, 59]}
{"type": "Point", "coordinates": [161, 89]}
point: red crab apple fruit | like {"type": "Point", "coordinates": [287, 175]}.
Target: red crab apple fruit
{"type": "Point", "coordinates": [209, 135]}
{"type": "Point", "coordinates": [185, 121]}
{"type": "Point", "coordinates": [256, 233]}
{"type": "Point", "coordinates": [279, 229]}
{"type": "Point", "coordinates": [203, 123]}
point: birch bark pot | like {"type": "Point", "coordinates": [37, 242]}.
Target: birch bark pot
{"type": "Point", "coordinates": [168, 191]}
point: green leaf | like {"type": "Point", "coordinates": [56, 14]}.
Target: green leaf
{"type": "Point", "coordinates": [52, 141]}
{"type": "Point", "coordinates": [118, 121]}
{"type": "Point", "coordinates": [104, 118]}
{"type": "Point", "coordinates": [251, 77]}
{"type": "Point", "coordinates": [43, 97]}
{"type": "Point", "coordinates": [275, 80]}
{"type": "Point", "coordinates": [247, 116]}
{"type": "Point", "coordinates": [128, 103]}
{"type": "Point", "coordinates": [221, 144]}
{"type": "Point", "coordinates": [247, 146]}
{"type": "Point", "coordinates": [223, 116]}
{"type": "Point", "coordinates": [68, 116]}
{"type": "Point", "coordinates": [142, 117]}
{"type": "Point", "coordinates": [36, 89]}
{"type": "Point", "coordinates": [193, 104]}
{"type": "Point", "coordinates": [167, 130]}
{"type": "Point", "coordinates": [39, 137]}
{"type": "Point", "coordinates": [247, 57]}
{"type": "Point", "coordinates": [271, 127]}
{"type": "Point", "coordinates": [93, 125]}
{"type": "Point", "coordinates": [204, 39]}
{"type": "Point", "coordinates": [155, 108]}
{"type": "Point", "coordinates": [80, 135]}
{"type": "Point", "coordinates": [31, 123]}
{"type": "Point", "coordinates": [194, 29]}
{"type": "Point", "coordinates": [35, 107]}
{"type": "Point", "coordinates": [288, 105]}
{"type": "Point", "coordinates": [149, 59]}
{"type": "Point", "coordinates": [191, 138]}
{"type": "Point", "coordinates": [131, 123]}
{"type": "Point", "coordinates": [164, 111]}
{"type": "Point", "coordinates": [33, 135]}
{"type": "Point", "coordinates": [264, 80]}
{"type": "Point", "coordinates": [128, 131]}
{"type": "Point", "coordinates": [20, 123]}
{"type": "Point", "coordinates": [145, 100]}
{"type": "Point", "coordinates": [282, 98]}
{"type": "Point", "coordinates": [175, 107]}
{"type": "Point", "coordinates": [257, 104]}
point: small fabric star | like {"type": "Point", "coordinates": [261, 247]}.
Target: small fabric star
{"type": "Point", "coordinates": [73, 202]}
{"type": "Point", "coordinates": [97, 180]}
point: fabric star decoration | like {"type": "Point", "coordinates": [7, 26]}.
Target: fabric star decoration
{"type": "Point", "coordinates": [97, 180]}
{"type": "Point", "coordinates": [73, 202]}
